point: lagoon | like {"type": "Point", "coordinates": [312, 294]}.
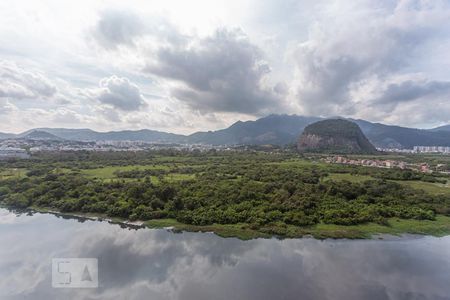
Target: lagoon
{"type": "Point", "coordinates": [143, 263]}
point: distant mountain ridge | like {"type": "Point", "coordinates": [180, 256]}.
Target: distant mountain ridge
{"type": "Point", "coordinates": [91, 135]}
{"type": "Point", "coordinates": [273, 129]}
{"type": "Point", "coordinates": [39, 135]}
{"type": "Point", "coordinates": [442, 128]}
{"type": "Point", "coordinates": [390, 136]}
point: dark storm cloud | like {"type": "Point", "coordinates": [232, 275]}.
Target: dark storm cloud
{"type": "Point", "coordinates": [328, 76]}
{"type": "Point", "coordinates": [120, 93]}
{"type": "Point", "coordinates": [223, 72]}
{"type": "Point", "coordinates": [117, 28]}
{"type": "Point", "coordinates": [411, 90]}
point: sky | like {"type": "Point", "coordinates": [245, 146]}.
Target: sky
{"type": "Point", "coordinates": [185, 66]}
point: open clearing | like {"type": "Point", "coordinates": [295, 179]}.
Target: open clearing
{"type": "Point", "coordinates": [430, 187]}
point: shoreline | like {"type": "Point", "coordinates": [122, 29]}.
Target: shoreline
{"type": "Point", "coordinates": [397, 227]}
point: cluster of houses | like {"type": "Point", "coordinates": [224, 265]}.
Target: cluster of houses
{"type": "Point", "coordinates": [419, 149]}
{"type": "Point", "coordinates": [377, 163]}
{"type": "Point", "coordinates": [22, 148]}
{"type": "Point", "coordinates": [12, 152]}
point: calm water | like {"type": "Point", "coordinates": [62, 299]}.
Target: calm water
{"type": "Point", "coordinates": [158, 264]}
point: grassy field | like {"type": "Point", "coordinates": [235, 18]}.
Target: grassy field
{"type": "Point", "coordinates": [297, 162]}
{"type": "Point", "coordinates": [438, 227]}
{"type": "Point", "coordinates": [13, 172]}
{"type": "Point", "coordinates": [154, 179]}
{"type": "Point", "coordinates": [108, 172]}
{"type": "Point", "coordinates": [348, 177]}
{"type": "Point", "coordinates": [429, 187]}
{"type": "Point", "coordinates": [178, 177]}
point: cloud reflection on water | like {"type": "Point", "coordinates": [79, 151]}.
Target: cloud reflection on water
{"type": "Point", "coordinates": [157, 264]}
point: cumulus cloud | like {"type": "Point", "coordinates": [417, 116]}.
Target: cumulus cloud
{"type": "Point", "coordinates": [363, 46]}
{"type": "Point", "coordinates": [357, 57]}
{"type": "Point", "coordinates": [383, 61]}
{"type": "Point", "coordinates": [120, 93]}
{"type": "Point", "coordinates": [18, 83]}
{"type": "Point", "coordinates": [224, 72]}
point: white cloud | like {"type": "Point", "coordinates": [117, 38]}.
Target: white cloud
{"type": "Point", "coordinates": [211, 63]}
{"type": "Point", "coordinates": [18, 83]}
{"type": "Point", "coordinates": [120, 93]}
{"type": "Point", "coordinates": [357, 53]}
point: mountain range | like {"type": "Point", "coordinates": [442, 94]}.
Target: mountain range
{"type": "Point", "coordinates": [273, 129]}
{"type": "Point", "coordinates": [442, 128]}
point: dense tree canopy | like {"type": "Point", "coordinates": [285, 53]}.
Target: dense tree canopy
{"type": "Point", "coordinates": [252, 188]}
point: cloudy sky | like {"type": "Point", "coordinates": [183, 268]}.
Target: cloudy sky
{"type": "Point", "coordinates": [183, 66]}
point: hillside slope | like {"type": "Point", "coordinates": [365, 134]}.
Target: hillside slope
{"type": "Point", "coordinates": [334, 136]}
{"type": "Point", "coordinates": [273, 129]}
{"type": "Point", "coordinates": [389, 136]}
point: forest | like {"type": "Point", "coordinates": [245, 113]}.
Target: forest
{"type": "Point", "coordinates": [265, 192]}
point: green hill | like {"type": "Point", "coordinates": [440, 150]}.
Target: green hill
{"type": "Point", "coordinates": [334, 136]}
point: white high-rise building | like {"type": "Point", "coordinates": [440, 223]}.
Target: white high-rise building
{"type": "Point", "coordinates": [431, 149]}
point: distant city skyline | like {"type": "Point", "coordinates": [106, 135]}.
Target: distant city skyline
{"type": "Point", "coordinates": [186, 66]}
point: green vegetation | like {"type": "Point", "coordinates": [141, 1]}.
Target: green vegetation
{"type": "Point", "coordinates": [110, 172]}
{"type": "Point", "coordinates": [12, 173]}
{"type": "Point", "coordinates": [394, 226]}
{"type": "Point", "coordinates": [348, 177]}
{"type": "Point", "coordinates": [438, 186]}
{"type": "Point", "coordinates": [334, 136]}
{"type": "Point", "coordinates": [334, 127]}
{"type": "Point", "coordinates": [429, 187]}
{"type": "Point", "coordinates": [242, 194]}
